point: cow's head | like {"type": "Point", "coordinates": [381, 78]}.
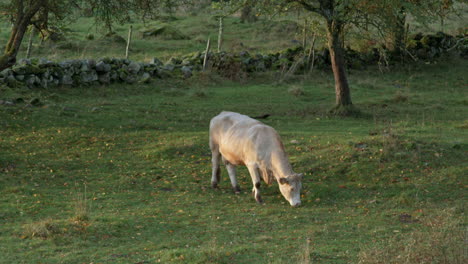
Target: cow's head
{"type": "Point", "coordinates": [290, 188]}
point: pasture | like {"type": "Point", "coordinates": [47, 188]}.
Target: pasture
{"type": "Point", "coordinates": [121, 173]}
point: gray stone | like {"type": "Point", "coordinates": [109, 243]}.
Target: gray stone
{"type": "Point", "coordinates": [145, 78]}
{"type": "Point", "coordinates": [44, 63]}
{"type": "Point", "coordinates": [87, 77]}
{"type": "Point", "coordinates": [11, 80]}
{"type": "Point", "coordinates": [85, 66]}
{"type": "Point", "coordinates": [32, 80]}
{"type": "Point", "coordinates": [168, 67]}
{"type": "Point", "coordinates": [187, 71]}
{"type": "Point", "coordinates": [130, 79]}
{"type": "Point", "coordinates": [114, 76]}
{"type": "Point", "coordinates": [44, 83]}
{"type": "Point", "coordinates": [65, 64]}
{"type": "Point", "coordinates": [122, 74]}
{"type": "Point", "coordinates": [66, 79]}
{"type": "Point", "coordinates": [91, 63]}
{"type": "Point", "coordinates": [104, 78]}
{"type": "Point", "coordinates": [24, 61]}
{"type": "Point", "coordinates": [102, 67]}
{"type": "Point", "coordinates": [134, 67]}
{"type": "Point", "coordinates": [156, 61]}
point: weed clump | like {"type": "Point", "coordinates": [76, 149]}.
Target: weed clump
{"type": "Point", "coordinates": [296, 91]}
{"type": "Point", "coordinates": [42, 229]}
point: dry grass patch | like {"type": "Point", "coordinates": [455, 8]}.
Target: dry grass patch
{"type": "Point", "coordinates": [439, 239]}
{"type": "Point", "coordinates": [43, 229]}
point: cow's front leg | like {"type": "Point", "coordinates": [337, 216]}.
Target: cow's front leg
{"type": "Point", "coordinates": [231, 169]}
{"type": "Point", "coordinates": [216, 171]}
{"type": "Point", "coordinates": [255, 174]}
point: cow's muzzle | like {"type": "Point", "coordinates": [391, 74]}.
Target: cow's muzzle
{"type": "Point", "coordinates": [296, 204]}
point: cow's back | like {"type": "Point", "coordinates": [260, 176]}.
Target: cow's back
{"type": "Point", "coordinates": [242, 139]}
{"type": "Point", "coordinates": [226, 122]}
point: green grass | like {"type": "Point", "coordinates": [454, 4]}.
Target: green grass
{"type": "Point", "coordinates": [262, 36]}
{"type": "Point", "coordinates": [121, 173]}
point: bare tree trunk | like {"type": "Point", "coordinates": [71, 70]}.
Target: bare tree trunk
{"type": "Point", "coordinates": [399, 33]}
{"type": "Point", "coordinates": [342, 91]}
{"type": "Point", "coordinates": [247, 14]}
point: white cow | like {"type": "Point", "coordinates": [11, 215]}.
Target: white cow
{"type": "Point", "coordinates": [241, 140]}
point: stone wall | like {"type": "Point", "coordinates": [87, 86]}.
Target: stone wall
{"type": "Point", "coordinates": [44, 73]}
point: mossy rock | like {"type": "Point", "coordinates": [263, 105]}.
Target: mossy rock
{"type": "Point", "coordinates": [163, 31]}
{"type": "Point", "coordinates": [28, 69]}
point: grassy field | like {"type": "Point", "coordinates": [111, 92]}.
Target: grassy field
{"type": "Point", "coordinates": [262, 36]}
{"type": "Point", "coordinates": [121, 174]}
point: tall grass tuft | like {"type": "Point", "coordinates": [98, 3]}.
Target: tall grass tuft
{"type": "Point", "coordinates": [304, 257]}
{"type": "Point", "coordinates": [296, 91]}
{"type": "Point", "coordinates": [43, 229]}
{"type": "Point", "coordinates": [81, 207]}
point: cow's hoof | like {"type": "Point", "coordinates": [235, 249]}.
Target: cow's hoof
{"type": "Point", "coordinates": [237, 190]}
{"type": "Point", "coordinates": [259, 199]}
{"type": "Point", "coordinates": [214, 185]}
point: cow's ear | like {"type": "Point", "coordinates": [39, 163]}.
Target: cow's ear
{"type": "Point", "coordinates": [283, 181]}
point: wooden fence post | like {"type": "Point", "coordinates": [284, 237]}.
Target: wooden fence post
{"type": "Point", "coordinates": [128, 42]}
{"type": "Point", "coordinates": [220, 33]}
{"type": "Point", "coordinates": [205, 59]}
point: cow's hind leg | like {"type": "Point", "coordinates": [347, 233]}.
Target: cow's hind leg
{"type": "Point", "coordinates": [255, 174]}
{"type": "Point", "coordinates": [231, 169]}
{"type": "Point", "coordinates": [216, 171]}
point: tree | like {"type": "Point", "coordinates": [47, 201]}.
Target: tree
{"type": "Point", "coordinates": [24, 12]}
{"type": "Point", "coordinates": [42, 13]}
{"type": "Point", "coordinates": [336, 14]}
